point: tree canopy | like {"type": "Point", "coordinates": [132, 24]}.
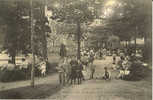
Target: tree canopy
{"type": "Point", "coordinates": [16, 16]}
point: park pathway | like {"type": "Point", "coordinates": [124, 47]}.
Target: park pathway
{"type": "Point", "coordinates": [98, 89]}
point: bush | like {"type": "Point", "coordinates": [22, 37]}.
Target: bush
{"type": "Point", "coordinates": [137, 72]}
{"type": "Point", "coordinates": [13, 75]}
{"type": "Point", "coordinates": [16, 74]}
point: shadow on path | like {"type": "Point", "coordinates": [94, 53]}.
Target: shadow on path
{"type": "Point", "coordinates": [39, 92]}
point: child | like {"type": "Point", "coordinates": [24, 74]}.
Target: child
{"type": "Point", "coordinates": [114, 57]}
{"type": "Point", "coordinates": [43, 68]}
{"type": "Point", "coordinates": [61, 72]}
{"type": "Point", "coordinates": [122, 55]}
{"type": "Point", "coordinates": [123, 73]}
{"type": "Point", "coordinates": [125, 69]}
{"type": "Point", "coordinates": [107, 74]}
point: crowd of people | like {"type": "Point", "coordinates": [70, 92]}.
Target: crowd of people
{"type": "Point", "coordinates": [125, 61]}
{"type": "Point", "coordinates": [122, 65]}
{"type": "Point", "coordinates": [72, 70]}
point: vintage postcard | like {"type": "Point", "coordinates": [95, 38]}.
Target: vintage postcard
{"type": "Point", "coordinates": [76, 49]}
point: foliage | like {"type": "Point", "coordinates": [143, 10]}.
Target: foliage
{"type": "Point", "coordinates": [41, 29]}
{"type": "Point", "coordinates": [16, 16]}
{"type": "Point", "coordinates": [74, 12]}
{"type": "Point", "coordinates": [13, 75]}
{"type": "Point", "coordinates": [138, 72]}
{"type": "Point", "coordinates": [17, 36]}
{"type": "Point", "coordinates": [7, 75]}
{"type": "Point", "coordinates": [132, 21]}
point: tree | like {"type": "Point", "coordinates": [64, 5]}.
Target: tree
{"type": "Point", "coordinates": [16, 16]}
{"type": "Point", "coordinates": [129, 20]}
{"type": "Point", "coordinates": [38, 28]}
{"type": "Point", "coordinates": [75, 12]}
{"type": "Point", "coordinates": [17, 35]}
{"type": "Point", "coordinates": [41, 29]}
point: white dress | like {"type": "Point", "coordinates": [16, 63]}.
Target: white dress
{"type": "Point", "coordinates": [43, 68]}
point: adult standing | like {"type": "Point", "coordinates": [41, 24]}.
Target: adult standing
{"type": "Point", "coordinates": [63, 51]}
{"type": "Point", "coordinates": [92, 70]}
{"type": "Point", "coordinates": [100, 53]}
{"type": "Point", "coordinates": [114, 57]}
{"type": "Point", "coordinates": [104, 51]}
{"type": "Point", "coordinates": [67, 67]}
{"type": "Point", "coordinates": [61, 72]}
{"type": "Point", "coordinates": [79, 72]}
{"type": "Point", "coordinates": [74, 65]}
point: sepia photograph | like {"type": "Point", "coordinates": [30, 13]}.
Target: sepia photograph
{"type": "Point", "coordinates": [76, 49]}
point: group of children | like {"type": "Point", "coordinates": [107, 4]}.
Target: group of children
{"type": "Point", "coordinates": [123, 65]}
{"type": "Point", "coordinates": [70, 69]}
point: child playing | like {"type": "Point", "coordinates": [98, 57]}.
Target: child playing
{"type": "Point", "coordinates": [107, 74]}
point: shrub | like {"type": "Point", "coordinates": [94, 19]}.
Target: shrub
{"type": "Point", "coordinates": [11, 75]}
{"type": "Point", "coordinates": [15, 74]}
{"type": "Point", "coordinates": [138, 72]}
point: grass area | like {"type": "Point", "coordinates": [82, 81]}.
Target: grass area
{"type": "Point", "coordinates": [40, 91]}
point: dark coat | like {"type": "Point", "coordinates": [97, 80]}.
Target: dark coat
{"type": "Point", "coordinates": [63, 51]}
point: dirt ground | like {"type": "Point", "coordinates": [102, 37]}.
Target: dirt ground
{"type": "Point", "coordinates": [96, 89]}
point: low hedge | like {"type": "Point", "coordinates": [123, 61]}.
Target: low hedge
{"type": "Point", "coordinates": [11, 75]}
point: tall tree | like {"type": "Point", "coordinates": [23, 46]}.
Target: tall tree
{"type": "Point", "coordinates": [41, 29]}
{"type": "Point", "coordinates": [17, 27]}
{"type": "Point", "coordinates": [131, 21]}
{"type": "Point", "coordinates": [76, 12]}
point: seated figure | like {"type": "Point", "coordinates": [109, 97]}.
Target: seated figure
{"type": "Point", "coordinates": [107, 74]}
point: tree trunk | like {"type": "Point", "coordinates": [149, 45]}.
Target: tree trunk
{"type": "Point", "coordinates": [78, 40]}
{"type": "Point", "coordinates": [135, 44]}
{"type": "Point", "coordinates": [13, 59]}
{"type": "Point", "coordinates": [145, 54]}
{"type": "Point", "coordinates": [129, 44]}
{"type": "Point", "coordinates": [32, 47]}
{"type": "Point", "coordinates": [44, 46]}
{"type": "Point", "coordinates": [33, 70]}
{"type": "Point", "coordinates": [53, 43]}
{"type": "Point", "coordinates": [135, 40]}
{"type": "Point", "coordinates": [126, 44]}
